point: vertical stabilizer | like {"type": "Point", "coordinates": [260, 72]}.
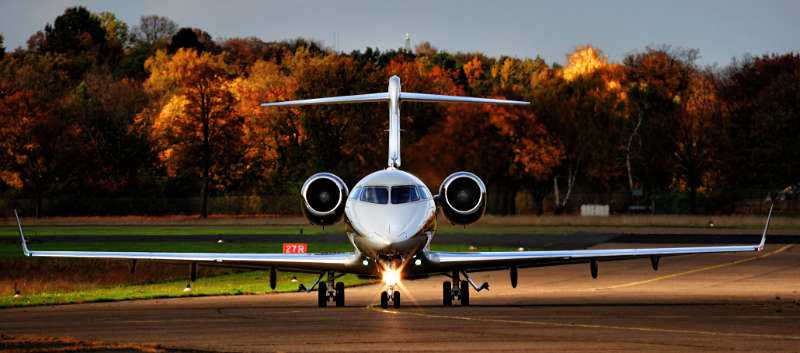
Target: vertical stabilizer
{"type": "Point", "coordinates": [394, 122]}
{"type": "Point", "coordinates": [394, 96]}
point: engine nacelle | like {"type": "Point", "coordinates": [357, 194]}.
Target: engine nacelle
{"type": "Point", "coordinates": [462, 197]}
{"type": "Point", "coordinates": [324, 196]}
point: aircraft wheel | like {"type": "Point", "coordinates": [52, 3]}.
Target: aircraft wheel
{"type": "Point", "coordinates": [384, 300]}
{"type": "Point", "coordinates": [322, 295]}
{"type": "Point", "coordinates": [447, 294]}
{"type": "Point", "coordinates": [339, 294]}
{"type": "Point", "coordinates": [463, 293]}
{"type": "Point", "coordinates": [396, 299]}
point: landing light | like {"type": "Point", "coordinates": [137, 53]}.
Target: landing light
{"type": "Point", "coordinates": [391, 277]}
{"type": "Point", "coordinates": [417, 262]}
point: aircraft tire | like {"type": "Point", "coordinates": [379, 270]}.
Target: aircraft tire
{"type": "Point", "coordinates": [322, 295]}
{"type": "Point", "coordinates": [339, 294]}
{"type": "Point", "coordinates": [384, 300]}
{"type": "Point", "coordinates": [463, 293]}
{"type": "Point", "coordinates": [447, 294]}
{"type": "Point", "coordinates": [396, 299]}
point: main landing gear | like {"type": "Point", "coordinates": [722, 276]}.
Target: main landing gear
{"type": "Point", "coordinates": [335, 294]}
{"type": "Point", "coordinates": [458, 292]}
{"type": "Point", "coordinates": [456, 289]}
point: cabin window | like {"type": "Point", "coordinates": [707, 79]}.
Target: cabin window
{"type": "Point", "coordinates": [404, 193]}
{"type": "Point", "coordinates": [375, 194]}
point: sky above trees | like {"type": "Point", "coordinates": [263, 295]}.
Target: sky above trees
{"type": "Point", "coordinates": [721, 29]}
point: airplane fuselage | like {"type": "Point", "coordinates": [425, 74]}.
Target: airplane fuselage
{"type": "Point", "coordinates": [390, 216]}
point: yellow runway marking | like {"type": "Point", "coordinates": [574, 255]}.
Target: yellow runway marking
{"type": "Point", "coordinates": [702, 269]}
{"type": "Point", "coordinates": [589, 326]}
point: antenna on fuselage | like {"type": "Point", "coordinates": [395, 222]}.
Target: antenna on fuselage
{"type": "Point", "coordinates": [394, 96]}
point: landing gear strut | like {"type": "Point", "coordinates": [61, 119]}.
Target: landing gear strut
{"type": "Point", "coordinates": [335, 293]}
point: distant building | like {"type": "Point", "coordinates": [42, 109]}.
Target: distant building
{"type": "Point", "coordinates": [407, 45]}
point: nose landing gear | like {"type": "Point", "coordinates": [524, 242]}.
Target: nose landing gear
{"type": "Point", "coordinates": [394, 298]}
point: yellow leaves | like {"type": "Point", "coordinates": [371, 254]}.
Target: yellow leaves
{"type": "Point", "coordinates": [473, 70]}
{"type": "Point", "coordinates": [11, 179]}
{"type": "Point", "coordinates": [184, 69]}
{"type": "Point", "coordinates": [173, 111]}
{"type": "Point", "coordinates": [584, 60]}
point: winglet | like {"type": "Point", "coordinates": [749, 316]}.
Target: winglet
{"type": "Point", "coordinates": [766, 226]}
{"type": "Point", "coordinates": [22, 236]}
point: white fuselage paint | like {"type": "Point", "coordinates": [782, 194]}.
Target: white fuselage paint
{"type": "Point", "coordinates": [390, 230]}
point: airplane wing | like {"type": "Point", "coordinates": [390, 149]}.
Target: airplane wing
{"type": "Point", "coordinates": [299, 262]}
{"type": "Point", "coordinates": [485, 261]}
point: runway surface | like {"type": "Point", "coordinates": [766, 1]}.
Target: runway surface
{"type": "Point", "coordinates": [733, 302]}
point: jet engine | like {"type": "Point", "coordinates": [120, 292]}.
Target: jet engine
{"type": "Point", "coordinates": [324, 196]}
{"type": "Point", "coordinates": [462, 197]}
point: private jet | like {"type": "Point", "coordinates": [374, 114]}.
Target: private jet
{"type": "Point", "coordinates": [390, 220]}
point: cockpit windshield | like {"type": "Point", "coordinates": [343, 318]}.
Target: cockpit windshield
{"type": "Point", "coordinates": [404, 193]}
{"type": "Point", "coordinates": [375, 194]}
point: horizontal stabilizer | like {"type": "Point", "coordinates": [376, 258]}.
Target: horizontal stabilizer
{"type": "Point", "coordinates": [424, 97]}
{"type": "Point", "coordinates": [382, 97]}
{"type": "Point", "coordinates": [359, 98]}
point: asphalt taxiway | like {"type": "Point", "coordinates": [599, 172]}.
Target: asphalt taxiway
{"type": "Point", "coordinates": [731, 302]}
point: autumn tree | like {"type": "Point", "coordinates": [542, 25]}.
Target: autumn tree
{"type": "Point", "coordinates": [273, 138]}
{"type": "Point", "coordinates": [761, 99]}
{"type": "Point", "coordinates": [195, 125]}
{"type": "Point", "coordinates": [697, 134]}
{"type": "Point", "coordinates": [656, 85]}
{"type": "Point", "coordinates": [346, 139]}
{"type": "Point", "coordinates": [117, 33]}
{"type": "Point", "coordinates": [39, 145]}
{"type": "Point", "coordinates": [117, 150]}
{"type": "Point", "coordinates": [581, 105]}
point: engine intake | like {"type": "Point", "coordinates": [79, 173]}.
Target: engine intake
{"type": "Point", "coordinates": [462, 197]}
{"type": "Point", "coordinates": [324, 196]}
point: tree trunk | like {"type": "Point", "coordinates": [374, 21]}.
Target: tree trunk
{"type": "Point", "coordinates": [39, 202]}
{"type": "Point", "coordinates": [628, 153]}
{"type": "Point", "coordinates": [206, 167]}
{"type": "Point", "coordinates": [692, 181]}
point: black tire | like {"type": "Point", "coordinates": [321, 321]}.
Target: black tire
{"type": "Point", "coordinates": [384, 300]}
{"type": "Point", "coordinates": [396, 299]}
{"type": "Point", "coordinates": [322, 295]}
{"type": "Point", "coordinates": [339, 294]}
{"type": "Point", "coordinates": [447, 294]}
{"type": "Point", "coordinates": [463, 293]}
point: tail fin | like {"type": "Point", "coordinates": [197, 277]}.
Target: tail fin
{"type": "Point", "coordinates": [394, 96]}
{"type": "Point", "coordinates": [25, 250]}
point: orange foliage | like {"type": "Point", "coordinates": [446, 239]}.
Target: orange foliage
{"type": "Point", "coordinates": [584, 60]}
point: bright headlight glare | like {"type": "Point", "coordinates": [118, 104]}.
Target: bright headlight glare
{"type": "Point", "coordinates": [391, 277]}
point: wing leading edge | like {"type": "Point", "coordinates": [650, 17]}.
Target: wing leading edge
{"type": "Point", "coordinates": [477, 261]}
{"type": "Point", "coordinates": [311, 262]}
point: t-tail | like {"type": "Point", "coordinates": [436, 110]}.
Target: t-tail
{"type": "Point", "coordinates": [394, 96]}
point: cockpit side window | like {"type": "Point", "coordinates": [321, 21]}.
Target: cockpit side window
{"type": "Point", "coordinates": [356, 193]}
{"type": "Point", "coordinates": [404, 193]}
{"type": "Point", "coordinates": [375, 194]}
{"type": "Point", "coordinates": [423, 195]}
